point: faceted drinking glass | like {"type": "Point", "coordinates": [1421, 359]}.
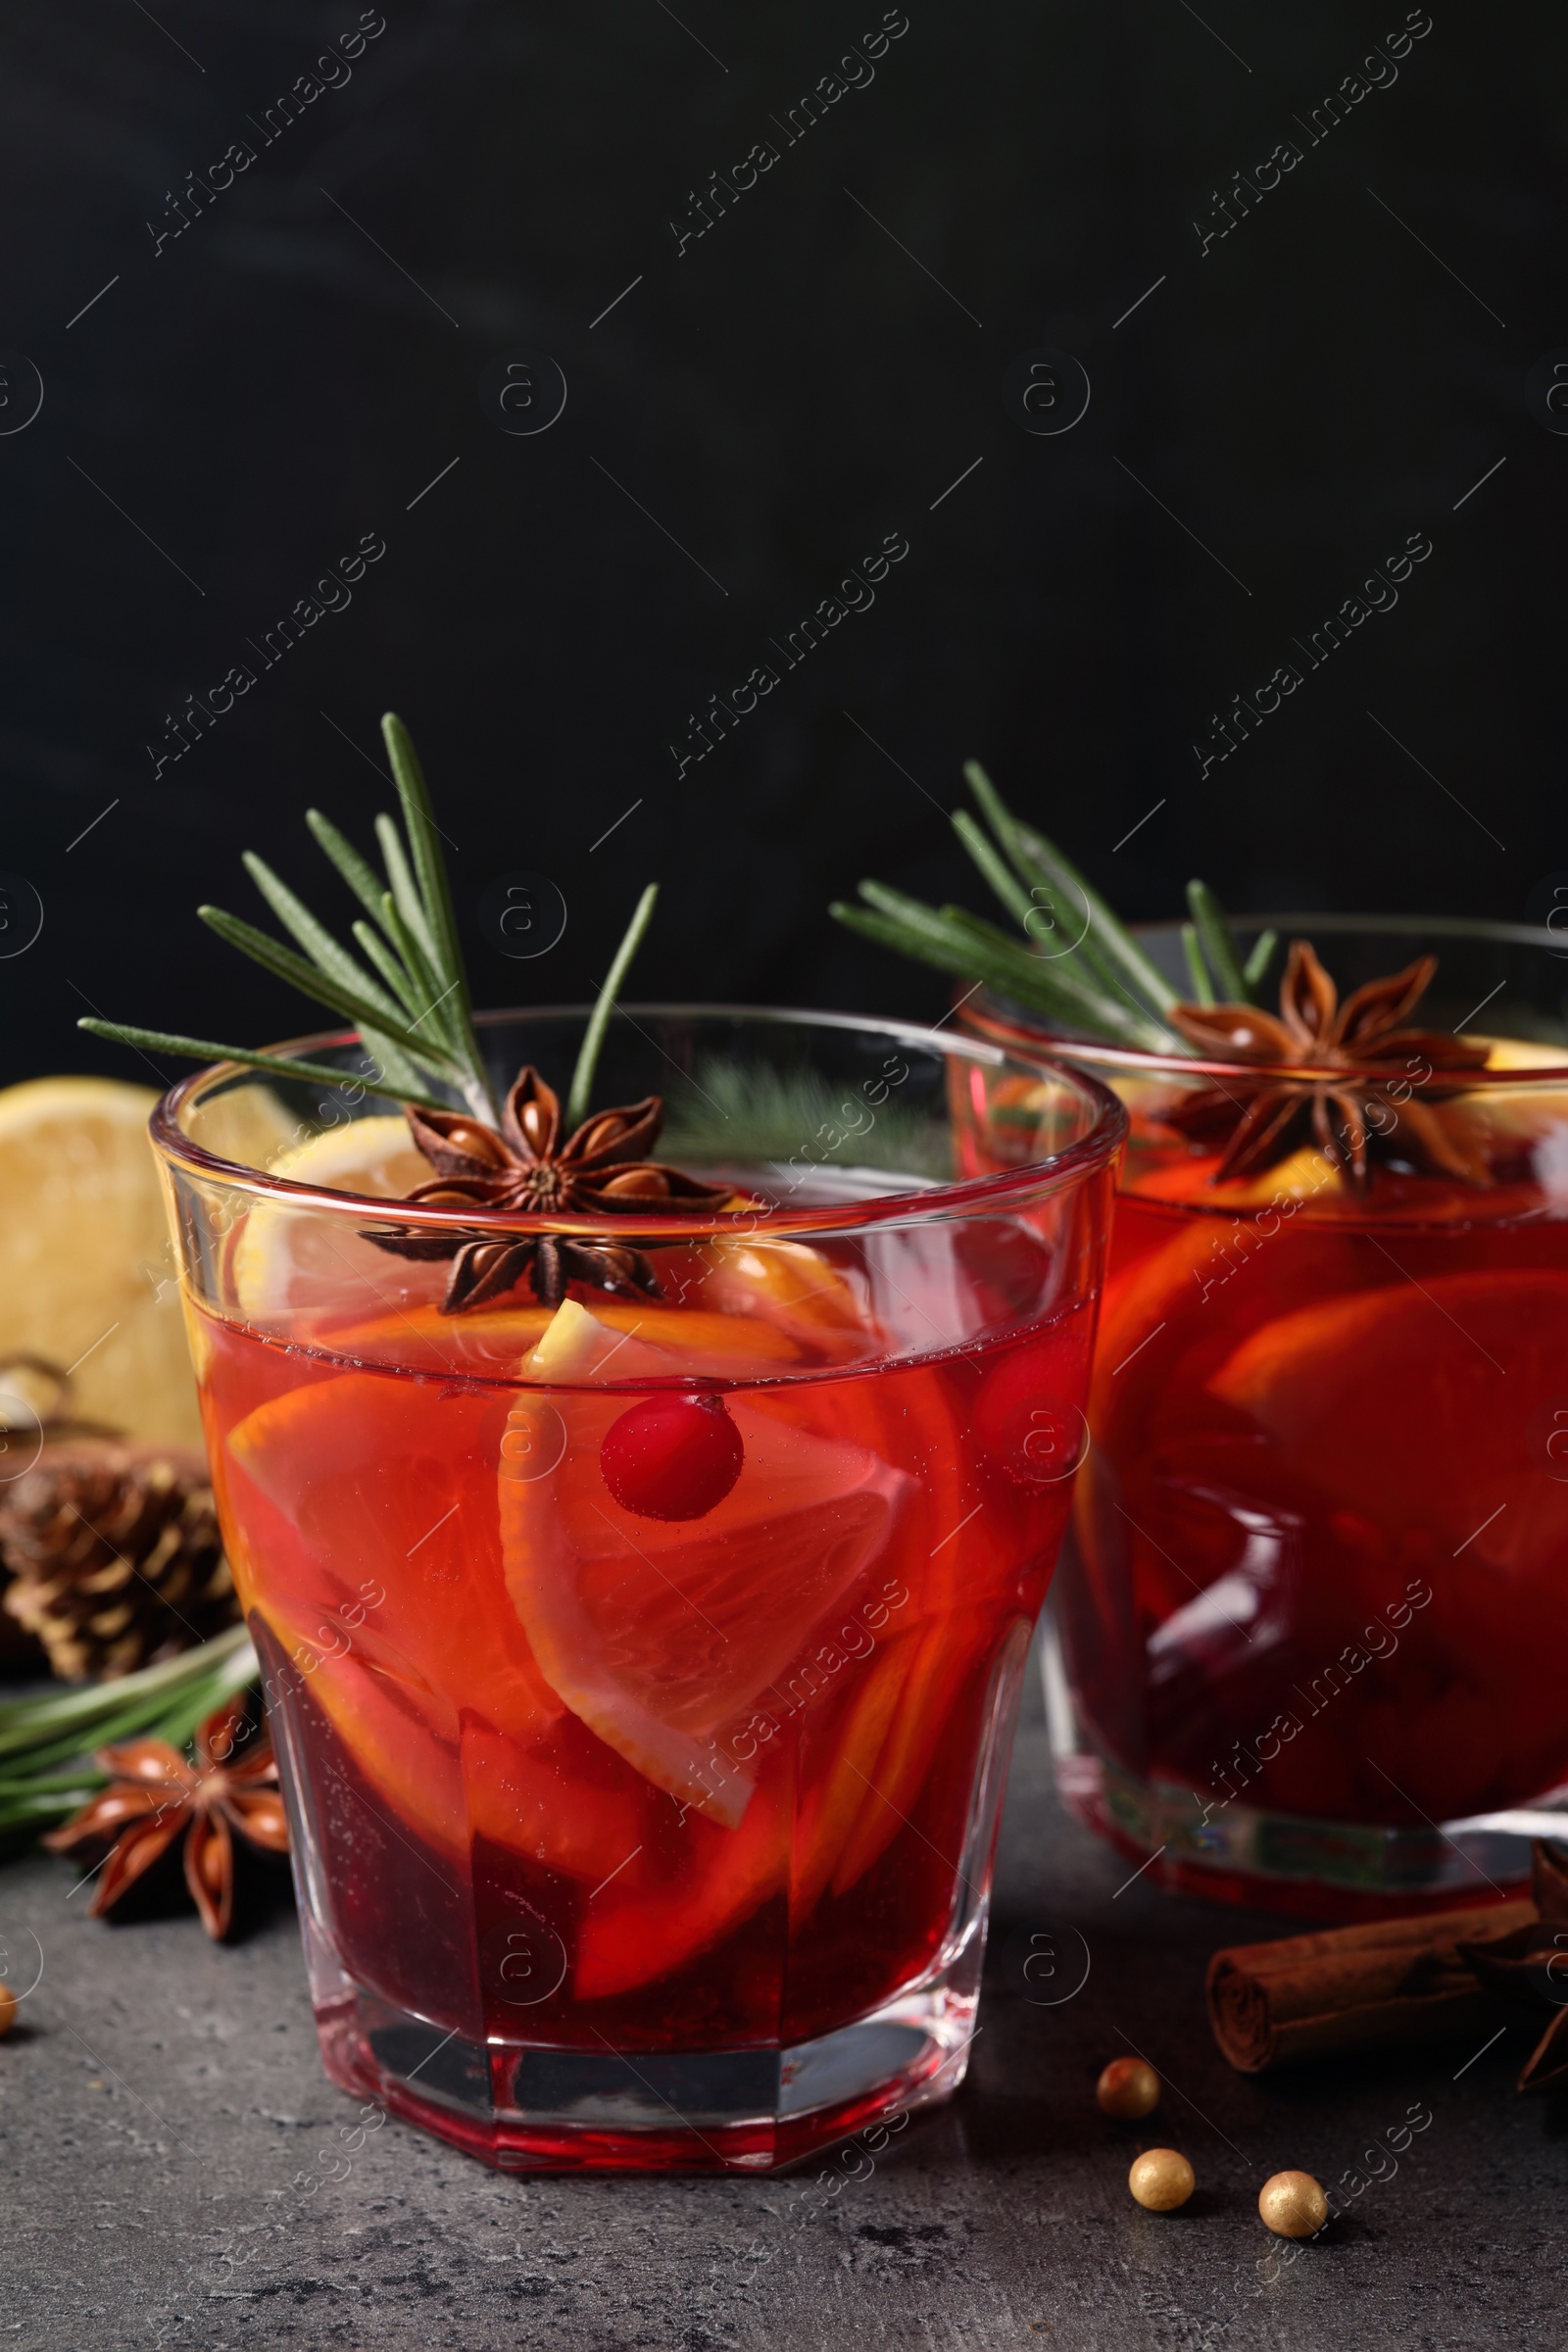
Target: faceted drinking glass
{"type": "Point", "coordinates": [651, 1826]}
{"type": "Point", "coordinates": [1313, 1608]}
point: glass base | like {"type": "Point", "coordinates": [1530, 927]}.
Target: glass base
{"type": "Point", "coordinates": [1340, 1871]}
{"type": "Point", "coordinates": [524, 2107]}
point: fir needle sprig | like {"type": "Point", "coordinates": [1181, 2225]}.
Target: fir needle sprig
{"type": "Point", "coordinates": [414, 1010]}
{"type": "Point", "coordinates": [1076, 963]}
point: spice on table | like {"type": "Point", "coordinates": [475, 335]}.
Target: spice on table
{"type": "Point", "coordinates": [156, 1798]}
{"type": "Point", "coordinates": [1387, 1982]}
{"type": "Point", "coordinates": [1162, 2180]}
{"type": "Point", "coordinates": [8, 2009]}
{"type": "Point", "coordinates": [1293, 2205]}
{"type": "Point", "coordinates": [1531, 1966]}
{"type": "Point", "coordinates": [1128, 2090]}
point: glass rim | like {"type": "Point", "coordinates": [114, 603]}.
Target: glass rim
{"type": "Point", "coordinates": [1048, 1176]}
{"type": "Point", "coordinates": [995, 1020]}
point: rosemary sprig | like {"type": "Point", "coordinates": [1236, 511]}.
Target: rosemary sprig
{"type": "Point", "coordinates": [408, 999]}
{"type": "Point", "coordinates": [413, 1009]}
{"type": "Point", "coordinates": [1093, 977]}
{"type": "Point", "coordinates": [582, 1077]}
{"type": "Point", "coordinates": [1220, 949]}
{"type": "Point", "coordinates": [206, 1048]}
{"type": "Point", "coordinates": [46, 1743]}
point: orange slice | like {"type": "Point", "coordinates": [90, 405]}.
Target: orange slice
{"type": "Point", "coordinates": [793, 1288]}
{"type": "Point", "coordinates": [847, 1786]}
{"type": "Point", "coordinates": [661, 1634]}
{"type": "Point", "coordinates": [660, 1342]}
{"type": "Point", "coordinates": [287, 1259]}
{"type": "Point", "coordinates": [637, 1931]}
{"type": "Point", "coordinates": [1419, 1403]}
{"type": "Point", "coordinates": [368, 1544]}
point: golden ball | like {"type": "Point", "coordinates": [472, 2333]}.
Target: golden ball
{"type": "Point", "coordinates": [1128, 2090]}
{"type": "Point", "coordinates": [1162, 2180]}
{"type": "Point", "coordinates": [1293, 2205]}
{"type": "Point", "coordinates": [8, 2008]}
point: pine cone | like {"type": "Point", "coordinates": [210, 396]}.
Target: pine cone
{"type": "Point", "coordinates": [115, 1555]}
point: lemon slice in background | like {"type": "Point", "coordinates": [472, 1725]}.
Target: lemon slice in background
{"type": "Point", "coordinates": [88, 1276]}
{"type": "Point", "coordinates": [286, 1259]}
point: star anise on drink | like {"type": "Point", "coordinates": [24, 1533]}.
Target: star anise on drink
{"type": "Point", "coordinates": [156, 1798]}
{"type": "Point", "coordinates": [524, 1165]}
{"type": "Point", "coordinates": [1365, 1068]}
{"type": "Point", "coordinates": [1531, 1965]}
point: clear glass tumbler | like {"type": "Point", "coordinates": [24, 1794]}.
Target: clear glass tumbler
{"type": "Point", "coordinates": [655, 1832]}
{"type": "Point", "coordinates": [1314, 1604]}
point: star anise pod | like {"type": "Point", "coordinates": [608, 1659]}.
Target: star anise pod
{"type": "Point", "coordinates": [603, 1168]}
{"type": "Point", "coordinates": [1350, 1108]}
{"type": "Point", "coordinates": [156, 1798]}
{"type": "Point", "coordinates": [1531, 1963]}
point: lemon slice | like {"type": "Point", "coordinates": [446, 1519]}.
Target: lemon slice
{"type": "Point", "coordinates": [289, 1259]}
{"type": "Point", "coordinates": [88, 1276]}
{"type": "Point", "coordinates": [1519, 1053]}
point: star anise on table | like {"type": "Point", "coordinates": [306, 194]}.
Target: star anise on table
{"type": "Point", "coordinates": [1531, 1965]}
{"type": "Point", "coordinates": [156, 1798]}
{"type": "Point", "coordinates": [1348, 1106]}
{"type": "Point", "coordinates": [524, 1165]}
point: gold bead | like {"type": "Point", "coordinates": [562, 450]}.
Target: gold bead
{"type": "Point", "coordinates": [8, 2008]}
{"type": "Point", "coordinates": [1162, 2180]}
{"type": "Point", "coordinates": [1293, 2205]}
{"type": "Point", "coordinates": [1128, 2090]}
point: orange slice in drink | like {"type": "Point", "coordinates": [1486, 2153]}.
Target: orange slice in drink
{"type": "Point", "coordinates": [1419, 1404]}
{"type": "Point", "coordinates": [287, 1259]}
{"type": "Point", "coordinates": [371, 1512]}
{"type": "Point", "coordinates": [795, 1289]}
{"type": "Point", "coordinates": [660, 1342]}
{"type": "Point", "coordinates": [661, 1634]}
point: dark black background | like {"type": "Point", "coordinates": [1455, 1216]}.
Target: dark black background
{"type": "Point", "coordinates": [1304, 396]}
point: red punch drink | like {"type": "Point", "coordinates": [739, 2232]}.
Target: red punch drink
{"type": "Point", "coordinates": [643, 1669]}
{"type": "Point", "coordinates": [1315, 1593]}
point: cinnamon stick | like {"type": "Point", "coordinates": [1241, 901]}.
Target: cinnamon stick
{"type": "Point", "coordinates": [1348, 1988]}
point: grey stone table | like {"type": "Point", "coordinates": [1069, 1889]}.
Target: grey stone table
{"type": "Point", "coordinates": [160, 2096]}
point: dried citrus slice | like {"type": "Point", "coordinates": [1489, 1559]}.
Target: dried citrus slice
{"type": "Point", "coordinates": [88, 1276]}
{"type": "Point", "coordinates": [659, 1633]}
{"type": "Point", "coordinates": [1418, 1404]}
{"type": "Point", "coordinates": [288, 1260]}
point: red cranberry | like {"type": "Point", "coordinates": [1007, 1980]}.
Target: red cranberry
{"type": "Point", "coordinates": [672, 1456]}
